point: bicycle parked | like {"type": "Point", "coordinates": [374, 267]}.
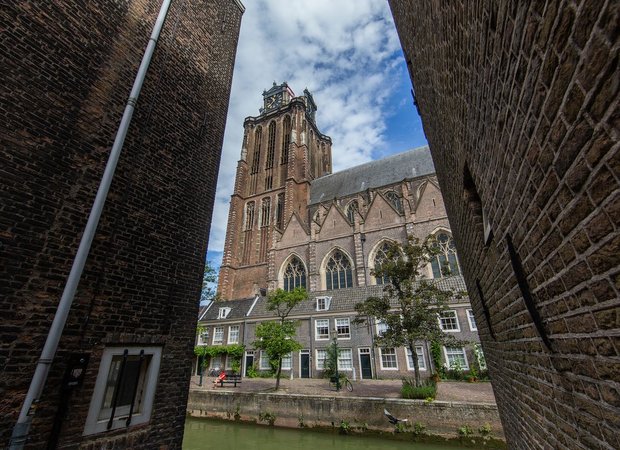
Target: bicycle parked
{"type": "Point", "coordinates": [341, 382]}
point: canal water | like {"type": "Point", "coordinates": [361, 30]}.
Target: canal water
{"type": "Point", "coordinates": [204, 434]}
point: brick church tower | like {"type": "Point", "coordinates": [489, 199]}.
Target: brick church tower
{"type": "Point", "coordinates": [282, 152]}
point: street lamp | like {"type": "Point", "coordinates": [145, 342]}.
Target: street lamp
{"type": "Point", "coordinates": [337, 375]}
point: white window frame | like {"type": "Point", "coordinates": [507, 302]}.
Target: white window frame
{"type": "Point", "coordinates": [442, 317]}
{"type": "Point", "coordinates": [223, 312]}
{"type": "Point", "coordinates": [480, 358]}
{"type": "Point", "coordinates": [341, 360]}
{"type": "Point", "coordinates": [203, 337]}
{"type": "Point", "coordinates": [230, 334]}
{"type": "Point", "coordinates": [348, 325]}
{"type": "Point", "coordinates": [320, 361]}
{"type": "Point", "coordinates": [318, 337]}
{"type": "Point", "coordinates": [219, 341]}
{"type": "Point", "coordinates": [381, 327]}
{"type": "Point", "coordinates": [420, 354]}
{"type": "Point", "coordinates": [381, 351]}
{"type": "Point", "coordinates": [446, 354]}
{"type": "Point", "coordinates": [472, 320]}
{"type": "Point", "coordinates": [323, 303]}
{"type": "Point", "coordinates": [141, 414]}
{"type": "Point", "coordinates": [263, 361]}
{"type": "Point", "coordinates": [287, 362]}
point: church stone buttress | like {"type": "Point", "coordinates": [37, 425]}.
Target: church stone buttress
{"type": "Point", "coordinates": [282, 152]}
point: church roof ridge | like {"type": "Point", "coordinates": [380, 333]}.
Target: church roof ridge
{"type": "Point", "coordinates": [392, 169]}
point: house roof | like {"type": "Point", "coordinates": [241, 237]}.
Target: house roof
{"type": "Point", "coordinates": [410, 164]}
{"type": "Point", "coordinates": [238, 309]}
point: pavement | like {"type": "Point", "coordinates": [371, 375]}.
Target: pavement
{"type": "Point", "coordinates": [449, 391]}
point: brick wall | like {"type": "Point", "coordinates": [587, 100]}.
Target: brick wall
{"type": "Point", "coordinates": [68, 71]}
{"type": "Point", "coordinates": [519, 102]}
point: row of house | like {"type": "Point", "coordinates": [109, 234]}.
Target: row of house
{"type": "Point", "coordinates": [328, 316]}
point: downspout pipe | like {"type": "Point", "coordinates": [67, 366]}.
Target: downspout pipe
{"type": "Point", "coordinates": [22, 427]}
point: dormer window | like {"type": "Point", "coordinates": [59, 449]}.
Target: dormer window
{"type": "Point", "coordinates": [323, 303]}
{"type": "Point", "coordinates": [223, 312]}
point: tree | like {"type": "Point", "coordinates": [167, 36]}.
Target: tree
{"type": "Point", "coordinates": [209, 283]}
{"type": "Point", "coordinates": [276, 338]}
{"type": "Point", "coordinates": [410, 304]}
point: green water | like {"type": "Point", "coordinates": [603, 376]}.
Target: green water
{"type": "Point", "coordinates": [204, 434]}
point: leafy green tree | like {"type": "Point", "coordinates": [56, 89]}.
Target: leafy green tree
{"type": "Point", "coordinates": [410, 304]}
{"type": "Point", "coordinates": [209, 283]}
{"type": "Point", "coordinates": [276, 338]}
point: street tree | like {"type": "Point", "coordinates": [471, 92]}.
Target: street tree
{"type": "Point", "coordinates": [209, 283]}
{"type": "Point", "coordinates": [411, 304]}
{"type": "Point", "coordinates": [277, 338]}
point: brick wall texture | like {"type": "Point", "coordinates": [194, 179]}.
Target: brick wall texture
{"type": "Point", "coordinates": [519, 102]}
{"type": "Point", "coordinates": [67, 71]}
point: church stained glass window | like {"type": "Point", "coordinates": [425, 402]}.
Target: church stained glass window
{"type": "Point", "coordinates": [294, 275]}
{"type": "Point", "coordinates": [445, 263]}
{"type": "Point", "coordinates": [351, 210]}
{"type": "Point", "coordinates": [338, 272]}
{"type": "Point", "coordinates": [380, 257]}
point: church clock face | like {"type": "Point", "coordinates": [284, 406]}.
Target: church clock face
{"type": "Point", "coordinates": [273, 102]}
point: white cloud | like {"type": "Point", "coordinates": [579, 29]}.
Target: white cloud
{"type": "Point", "coordinates": [345, 52]}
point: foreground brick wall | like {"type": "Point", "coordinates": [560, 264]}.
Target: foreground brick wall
{"type": "Point", "coordinates": [520, 106]}
{"type": "Point", "coordinates": [68, 68]}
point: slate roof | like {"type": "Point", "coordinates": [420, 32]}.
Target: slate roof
{"type": "Point", "coordinates": [344, 300]}
{"type": "Point", "coordinates": [238, 309]}
{"type": "Point", "coordinates": [410, 164]}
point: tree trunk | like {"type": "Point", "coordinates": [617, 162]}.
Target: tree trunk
{"type": "Point", "coordinates": [416, 366]}
{"type": "Point", "coordinates": [278, 373]}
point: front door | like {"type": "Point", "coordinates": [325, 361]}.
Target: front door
{"type": "Point", "coordinates": [365, 363]}
{"type": "Point", "coordinates": [249, 361]}
{"type": "Point", "coordinates": [305, 363]}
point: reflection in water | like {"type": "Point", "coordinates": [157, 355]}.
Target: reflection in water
{"type": "Point", "coordinates": [204, 434]}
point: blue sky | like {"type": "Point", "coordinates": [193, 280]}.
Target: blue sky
{"type": "Point", "coordinates": [347, 53]}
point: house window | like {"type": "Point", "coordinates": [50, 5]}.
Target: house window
{"type": "Point", "coordinates": [448, 321]}
{"type": "Point", "coordinates": [482, 362]}
{"type": "Point", "coordinates": [345, 359]}
{"type": "Point", "coordinates": [321, 329]}
{"type": "Point", "coordinates": [287, 362]}
{"type": "Point", "coordinates": [294, 275]}
{"type": "Point", "coordinates": [203, 337]}
{"type": "Point", "coordinates": [264, 361]}
{"type": "Point", "coordinates": [321, 356]}
{"type": "Point", "coordinates": [445, 262]}
{"type": "Point", "coordinates": [352, 209]}
{"type": "Point", "coordinates": [218, 335]}
{"type": "Point", "coordinates": [455, 357]}
{"type": "Point", "coordinates": [343, 328]}
{"type": "Point", "coordinates": [394, 199]}
{"type": "Point", "coordinates": [223, 312]}
{"type": "Point", "coordinates": [249, 215]}
{"type": "Point", "coordinates": [217, 362]}
{"type": "Point", "coordinates": [233, 334]}
{"type": "Point", "coordinates": [381, 327]}
{"type": "Point", "coordinates": [338, 273]}
{"type": "Point", "coordinates": [323, 303]}
{"type": "Point", "coordinates": [420, 355]}
{"type": "Point", "coordinates": [265, 212]}
{"type": "Point", "coordinates": [124, 390]}
{"type": "Point", "coordinates": [380, 258]}
{"type": "Point", "coordinates": [388, 358]}
{"type": "Point", "coordinates": [472, 320]}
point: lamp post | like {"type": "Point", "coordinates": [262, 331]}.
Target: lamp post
{"type": "Point", "coordinates": [335, 339]}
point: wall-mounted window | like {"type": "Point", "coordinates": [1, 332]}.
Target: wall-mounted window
{"type": "Point", "coordinates": [321, 329]}
{"type": "Point", "coordinates": [394, 200]}
{"type": "Point", "coordinates": [323, 303]}
{"type": "Point", "coordinates": [380, 258]}
{"type": "Point", "coordinates": [472, 320]}
{"type": "Point", "coordinates": [203, 337]}
{"type": "Point", "coordinates": [321, 356]}
{"type": "Point", "coordinates": [287, 362]}
{"type": "Point", "coordinates": [343, 328]}
{"type": "Point", "coordinates": [294, 275]}
{"type": "Point", "coordinates": [264, 361]}
{"type": "Point", "coordinates": [125, 388]}
{"type": "Point", "coordinates": [280, 211]}
{"type": "Point", "coordinates": [258, 136]}
{"type": "Point", "coordinates": [381, 327]}
{"type": "Point", "coordinates": [218, 335]}
{"type": "Point", "coordinates": [419, 354]}
{"type": "Point", "coordinates": [249, 215]}
{"type": "Point", "coordinates": [223, 312]}
{"type": "Point", "coordinates": [352, 210]}
{"type": "Point", "coordinates": [456, 358]}
{"type": "Point", "coordinates": [271, 145]}
{"type": "Point", "coordinates": [233, 334]}
{"type": "Point", "coordinates": [265, 212]}
{"type": "Point", "coordinates": [345, 359]}
{"type": "Point", "coordinates": [338, 272]}
{"type": "Point", "coordinates": [388, 358]}
{"type": "Point", "coordinates": [482, 362]}
{"type": "Point", "coordinates": [445, 262]}
{"type": "Point", "coordinates": [286, 140]}
{"type": "Point", "coordinates": [448, 321]}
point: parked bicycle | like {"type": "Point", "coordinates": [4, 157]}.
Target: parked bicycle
{"type": "Point", "coordinates": [341, 382]}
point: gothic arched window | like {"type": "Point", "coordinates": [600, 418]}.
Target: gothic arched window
{"type": "Point", "coordinates": [380, 257]}
{"type": "Point", "coordinates": [249, 215]}
{"type": "Point", "coordinates": [294, 275]}
{"type": "Point", "coordinates": [257, 142]}
{"type": "Point", "coordinates": [286, 140]}
{"type": "Point", "coordinates": [338, 273]}
{"type": "Point", "coordinates": [352, 208]}
{"type": "Point", "coordinates": [394, 199]}
{"type": "Point", "coordinates": [445, 262]}
{"type": "Point", "coordinates": [265, 212]}
{"type": "Point", "coordinates": [271, 145]}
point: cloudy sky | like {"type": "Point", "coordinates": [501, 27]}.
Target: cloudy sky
{"type": "Point", "coordinates": [347, 53]}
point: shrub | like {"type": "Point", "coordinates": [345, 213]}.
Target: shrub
{"type": "Point", "coordinates": [411, 391]}
{"type": "Point", "coordinates": [465, 430]}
